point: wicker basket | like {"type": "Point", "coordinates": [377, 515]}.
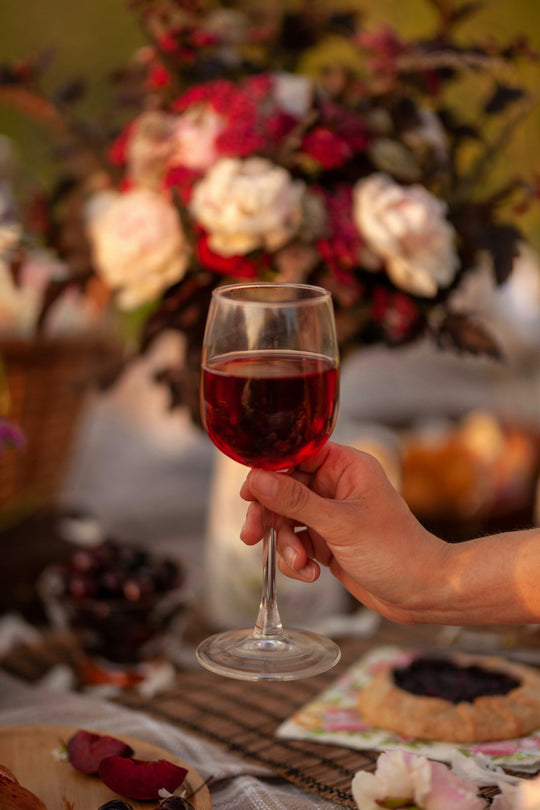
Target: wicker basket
{"type": "Point", "coordinates": [47, 383]}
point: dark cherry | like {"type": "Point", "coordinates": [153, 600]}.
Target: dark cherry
{"type": "Point", "coordinates": [118, 571]}
{"type": "Point", "coordinates": [116, 804]}
{"type": "Point", "coordinates": [439, 677]}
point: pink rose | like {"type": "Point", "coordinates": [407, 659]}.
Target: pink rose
{"type": "Point", "coordinates": [195, 137]}
{"type": "Point", "coordinates": [413, 780]}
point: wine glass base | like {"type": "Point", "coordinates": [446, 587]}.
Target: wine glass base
{"type": "Point", "coordinates": [242, 655]}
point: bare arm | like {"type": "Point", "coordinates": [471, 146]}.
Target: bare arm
{"type": "Point", "coordinates": [361, 528]}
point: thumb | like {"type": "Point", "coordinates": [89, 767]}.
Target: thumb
{"type": "Point", "coordinates": [290, 498]}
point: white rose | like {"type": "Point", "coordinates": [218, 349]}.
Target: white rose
{"type": "Point", "coordinates": [406, 226]}
{"type": "Point", "coordinates": [293, 93]}
{"type": "Point", "coordinates": [248, 204]}
{"type": "Point", "coordinates": [195, 135]}
{"type": "Point", "coordinates": [139, 246]}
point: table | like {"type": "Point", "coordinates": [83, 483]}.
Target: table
{"type": "Point", "coordinates": [228, 724]}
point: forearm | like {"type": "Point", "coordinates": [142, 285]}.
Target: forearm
{"type": "Point", "coordinates": [490, 580]}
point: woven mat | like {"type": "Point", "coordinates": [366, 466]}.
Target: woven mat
{"type": "Point", "coordinates": [243, 718]}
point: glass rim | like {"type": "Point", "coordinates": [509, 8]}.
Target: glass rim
{"type": "Point", "coordinates": [319, 293]}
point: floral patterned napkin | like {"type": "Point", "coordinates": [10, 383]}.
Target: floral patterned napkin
{"type": "Point", "coordinates": [332, 718]}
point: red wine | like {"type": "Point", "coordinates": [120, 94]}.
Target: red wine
{"type": "Point", "coordinates": [269, 409]}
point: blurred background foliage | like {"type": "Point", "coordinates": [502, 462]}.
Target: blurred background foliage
{"type": "Point", "coordinates": [91, 39]}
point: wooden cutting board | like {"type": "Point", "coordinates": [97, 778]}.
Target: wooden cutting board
{"type": "Point", "coordinates": [28, 752]}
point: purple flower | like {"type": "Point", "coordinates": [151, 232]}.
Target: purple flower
{"type": "Point", "coordinates": [10, 435]}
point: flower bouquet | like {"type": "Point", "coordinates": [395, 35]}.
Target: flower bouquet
{"type": "Point", "coordinates": [258, 142]}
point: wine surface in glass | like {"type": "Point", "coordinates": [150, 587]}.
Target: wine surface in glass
{"type": "Point", "coordinates": [269, 409]}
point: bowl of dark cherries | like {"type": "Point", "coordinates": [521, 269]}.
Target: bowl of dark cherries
{"type": "Point", "coordinates": [118, 599]}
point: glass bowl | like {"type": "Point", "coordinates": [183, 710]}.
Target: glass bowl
{"type": "Point", "coordinates": [118, 601]}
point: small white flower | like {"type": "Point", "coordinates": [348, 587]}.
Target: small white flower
{"type": "Point", "coordinates": [248, 204]}
{"type": "Point", "coordinates": [139, 246]}
{"type": "Point", "coordinates": [407, 228]}
{"type": "Point", "coordinates": [293, 93]}
{"type": "Point", "coordinates": [150, 148]}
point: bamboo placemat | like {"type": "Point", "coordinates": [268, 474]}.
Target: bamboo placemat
{"type": "Point", "coordinates": [243, 718]}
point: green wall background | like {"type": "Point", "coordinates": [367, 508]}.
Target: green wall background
{"type": "Point", "coordinates": [92, 37]}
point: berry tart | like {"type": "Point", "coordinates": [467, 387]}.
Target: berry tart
{"type": "Point", "coordinates": [455, 698]}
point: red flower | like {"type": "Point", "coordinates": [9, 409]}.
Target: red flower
{"type": "Point", "coordinates": [326, 148]}
{"type": "Point", "coordinates": [235, 266]}
{"type": "Point", "coordinates": [386, 46]}
{"type": "Point", "coordinates": [167, 43]}
{"type": "Point", "coordinates": [202, 39]}
{"type": "Point", "coordinates": [396, 312]}
{"type": "Point", "coordinates": [219, 94]}
{"type": "Point", "coordinates": [341, 248]}
{"type": "Point", "coordinates": [348, 125]}
{"type": "Point", "coordinates": [181, 180]}
{"type": "Point", "coordinates": [117, 152]}
{"type": "Point", "coordinates": [158, 77]}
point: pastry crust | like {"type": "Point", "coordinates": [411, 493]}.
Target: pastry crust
{"type": "Point", "coordinates": [13, 796]}
{"type": "Point", "coordinates": [487, 718]}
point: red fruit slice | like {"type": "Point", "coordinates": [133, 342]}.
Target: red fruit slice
{"type": "Point", "coordinates": [86, 750]}
{"type": "Point", "coordinates": [140, 779]}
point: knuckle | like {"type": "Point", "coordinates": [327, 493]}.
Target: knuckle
{"type": "Point", "coordinates": [299, 499]}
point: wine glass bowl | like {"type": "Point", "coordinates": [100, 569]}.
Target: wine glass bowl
{"type": "Point", "coordinates": [269, 397]}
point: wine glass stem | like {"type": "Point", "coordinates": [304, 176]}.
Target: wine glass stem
{"type": "Point", "coordinates": [268, 624]}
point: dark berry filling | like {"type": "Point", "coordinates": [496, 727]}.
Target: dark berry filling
{"type": "Point", "coordinates": [439, 677]}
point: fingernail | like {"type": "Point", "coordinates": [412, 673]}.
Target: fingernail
{"type": "Point", "coordinates": [289, 555]}
{"type": "Point", "coordinates": [308, 572]}
{"type": "Point", "coordinates": [265, 482]}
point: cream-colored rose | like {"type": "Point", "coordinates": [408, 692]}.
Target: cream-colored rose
{"type": "Point", "coordinates": [407, 228]}
{"type": "Point", "coordinates": [138, 245]}
{"type": "Point", "coordinates": [195, 135]}
{"type": "Point", "coordinates": [248, 204]}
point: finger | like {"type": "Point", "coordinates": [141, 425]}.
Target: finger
{"type": "Point", "coordinates": [286, 496]}
{"type": "Point", "coordinates": [307, 573]}
{"type": "Point", "coordinates": [247, 494]}
{"type": "Point", "coordinates": [253, 528]}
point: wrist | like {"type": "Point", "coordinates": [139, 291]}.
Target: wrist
{"type": "Point", "coordinates": [429, 588]}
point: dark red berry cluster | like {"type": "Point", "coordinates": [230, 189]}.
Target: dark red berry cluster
{"type": "Point", "coordinates": [118, 571]}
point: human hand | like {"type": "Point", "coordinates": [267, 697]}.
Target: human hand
{"type": "Point", "coordinates": [355, 523]}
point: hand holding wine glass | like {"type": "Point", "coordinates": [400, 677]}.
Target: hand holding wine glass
{"type": "Point", "coordinates": [269, 393]}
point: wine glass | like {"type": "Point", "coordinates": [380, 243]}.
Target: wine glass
{"type": "Point", "coordinates": [269, 394]}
